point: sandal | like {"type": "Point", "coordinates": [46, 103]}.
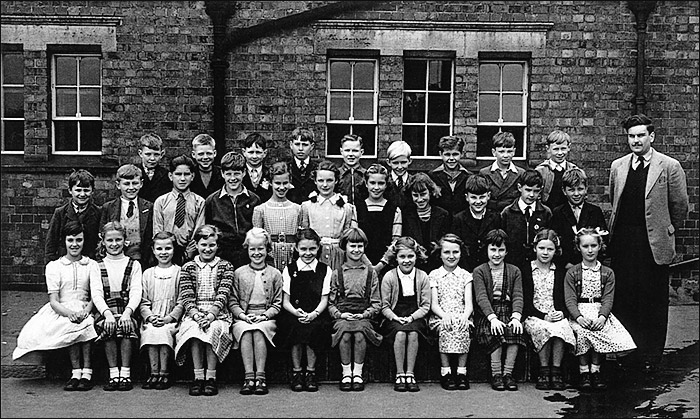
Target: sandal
{"type": "Point", "coordinates": [260, 386]}
{"type": "Point", "coordinates": [151, 382]}
{"type": "Point", "coordinates": [248, 387]}
{"type": "Point", "coordinates": [346, 383]}
{"type": "Point", "coordinates": [358, 383]}
{"type": "Point", "coordinates": [400, 384]}
{"type": "Point", "coordinates": [125, 384]}
{"type": "Point", "coordinates": [112, 385]}
{"type": "Point", "coordinates": [411, 384]}
{"type": "Point", "coordinates": [163, 383]}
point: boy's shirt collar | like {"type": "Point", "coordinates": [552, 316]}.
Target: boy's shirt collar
{"type": "Point", "coordinates": [556, 166]}
{"type": "Point", "coordinates": [77, 209]}
{"type": "Point", "coordinates": [522, 205]}
{"type": "Point", "coordinates": [477, 216]}
{"type": "Point", "coordinates": [345, 168]}
{"type": "Point", "coordinates": [299, 162]}
{"type": "Point", "coordinates": [512, 168]}
{"type": "Point", "coordinates": [224, 192]}
{"type": "Point", "coordinates": [395, 177]}
{"type": "Point", "coordinates": [460, 168]}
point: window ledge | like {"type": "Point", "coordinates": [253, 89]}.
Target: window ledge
{"type": "Point", "coordinates": [439, 26]}
{"type": "Point", "coordinates": [58, 164]}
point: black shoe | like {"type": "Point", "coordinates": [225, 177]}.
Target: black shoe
{"type": "Point", "coordinates": [597, 381]}
{"type": "Point", "coordinates": [72, 384]}
{"type": "Point", "coordinates": [358, 384]}
{"type": "Point", "coordinates": [557, 382]}
{"type": "Point", "coordinates": [297, 382]}
{"type": "Point", "coordinates": [411, 384]}
{"type": "Point", "coordinates": [248, 387]}
{"type": "Point", "coordinates": [112, 384]}
{"type": "Point", "coordinates": [345, 385]}
{"type": "Point", "coordinates": [163, 383]}
{"type": "Point", "coordinates": [210, 388]}
{"type": "Point", "coordinates": [585, 381]}
{"type": "Point", "coordinates": [462, 382]}
{"type": "Point", "coordinates": [261, 387]}
{"type": "Point", "coordinates": [400, 384]}
{"type": "Point", "coordinates": [125, 384]}
{"type": "Point", "coordinates": [196, 388]}
{"type": "Point", "coordinates": [497, 382]}
{"type": "Point", "coordinates": [509, 382]}
{"type": "Point", "coordinates": [543, 382]}
{"type": "Point", "coordinates": [310, 381]}
{"type": "Point", "coordinates": [447, 382]}
{"type": "Point", "coordinates": [85, 385]}
{"type": "Point", "coordinates": [150, 384]}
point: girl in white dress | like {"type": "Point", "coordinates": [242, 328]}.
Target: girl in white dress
{"type": "Point", "coordinates": [65, 321]}
{"type": "Point", "coordinates": [160, 310]}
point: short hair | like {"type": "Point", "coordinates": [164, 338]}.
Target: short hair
{"type": "Point", "coordinates": [477, 184]}
{"type": "Point", "coordinates": [164, 235]}
{"type": "Point", "coordinates": [151, 140]}
{"type": "Point", "coordinates": [205, 231]}
{"type": "Point", "coordinates": [329, 166]}
{"type": "Point", "coordinates": [182, 160]}
{"type": "Point", "coordinates": [636, 120]}
{"type": "Point", "coordinates": [352, 235]}
{"type": "Point", "coordinates": [129, 171]}
{"type": "Point", "coordinates": [255, 138]}
{"type": "Point", "coordinates": [279, 168]}
{"type": "Point", "coordinates": [101, 251]}
{"type": "Point", "coordinates": [307, 234]}
{"type": "Point", "coordinates": [72, 228]}
{"type": "Point", "coordinates": [376, 169]}
{"type": "Point", "coordinates": [531, 177]}
{"type": "Point", "coordinates": [302, 134]}
{"type": "Point", "coordinates": [503, 139]}
{"type": "Point", "coordinates": [558, 137]}
{"type": "Point", "coordinates": [398, 148]}
{"type": "Point", "coordinates": [422, 182]}
{"type": "Point", "coordinates": [451, 142]}
{"type": "Point", "coordinates": [258, 233]}
{"type": "Point", "coordinates": [203, 139]}
{"type": "Point", "coordinates": [408, 243]}
{"type": "Point", "coordinates": [352, 137]}
{"type": "Point", "coordinates": [548, 234]}
{"type": "Point", "coordinates": [573, 177]}
{"type": "Point", "coordinates": [595, 232]}
{"type": "Point", "coordinates": [496, 237]}
{"type": "Point", "coordinates": [82, 178]}
{"type": "Point", "coordinates": [233, 161]}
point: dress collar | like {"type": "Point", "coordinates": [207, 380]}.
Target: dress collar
{"type": "Point", "coordinates": [442, 272]}
{"type": "Point", "coordinates": [84, 260]}
{"type": "Point", "coordinates": [301, 265]}
{"type": "Point", "coordinates": [203, 264]}
{"type": "Point", "coordinates": [595, 268]}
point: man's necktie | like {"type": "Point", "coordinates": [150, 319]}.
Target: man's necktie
{"type": "Point", "coordinates": [130, 211]}
{"type": "Point", "coordinates": [577, 211]}
{"type": "Point", "coordinates": [352, 186]}
{"type": "Point", "coordinates": [180, 211]}
{"type": "Point", "coordinates": [640, 163]}
{"type": "Point", "coordinates": [528, 213]}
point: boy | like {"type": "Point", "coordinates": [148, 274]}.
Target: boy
{"type": "Point", "coordinates": [523, 218]}
{"type": "Point", "coordinates": [502, 174]}
{"type": "Point", "coordinates": [231, 210]}
{"type": "Point", "coordinates": [207, 177]}
{"type": "Point", "coordinates": [180, 210]}
{"type": "Point", "coordinates": [257, 178]}
{"type": "Point", "coordinates": [301, 143]}
{"type": "Point", "coordinates": [398, 159]}
{"type": "Point", "coordinates": [552, 169]}
{"type": "Point", "coordinates": [155, 181]}
{"type": "Point", "coordinates": [81, 184]}
{"type": "Point", "coordinates": [472, 224]}
{"type": "Point", "coordinates": [575, 214]}
{"type": "Point", "coordinates": [352, 175]}
{"type": "Point", "coordinates": [450, 176]}
{"type": "Point", "coordinates": [134, 213]}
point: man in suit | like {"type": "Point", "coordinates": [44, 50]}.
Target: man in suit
{"type": "Point", "coordinates": [649, 202]}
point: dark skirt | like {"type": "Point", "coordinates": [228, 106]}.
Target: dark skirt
{"type": "Point", "coordinates": [502, 310]}
{"type": "Point", "coordinates": [365, 326]}
{"type": "Point", "coordinates": [117, 310]}
{"type": "Point", "coordinates": [389, 328]}
{"type": "Point", "coordinates": [291, 332]}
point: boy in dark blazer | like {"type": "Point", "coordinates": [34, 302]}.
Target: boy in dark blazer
{"type": "Point", "coordinates": [301, 167]}
{"type": "Point", "coordinates": [155, 180]}
{"type": "Point", "coordinates": [502, 174]}
{"type": "Point", "coordinates": [257, 175]}
{"type": "Point", "coordinates": [207, 177]}
{"type": "Point", "coordinates": [450, 176]}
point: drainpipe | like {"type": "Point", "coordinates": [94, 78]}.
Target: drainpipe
{"type": "Point", "coordinates": [641, 10]}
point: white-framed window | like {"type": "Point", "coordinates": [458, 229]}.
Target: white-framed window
{"type": "Point", "coordinates": [76, 108]}
{"type": "Point", "coordinates": [12, 100]}
{"type": "Point", "coordinates": [352, 102]}
{"type": "Point", "coordinates": [427, 102]}
{"type": "Point", "coordinates": [502, 104]}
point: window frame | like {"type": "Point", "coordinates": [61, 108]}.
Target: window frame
{"type": "Point", "coordinates": [10, 49]}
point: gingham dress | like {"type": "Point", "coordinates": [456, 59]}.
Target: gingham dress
{"type": "Point", "coordinates": [329, 220]}
{"type": "Point", "coordinates": [279, 219]}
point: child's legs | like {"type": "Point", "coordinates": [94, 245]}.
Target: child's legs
{"type": "Point", "coordinates": [296, 356]}
{"type": "Point", "coordinates": [126, 346]}
{"type": "Point", "coordinates": [164, 358]}
{"type": "Point", "coordinates": [310, 358]}
{"type": "Point", "coordinates": [260, 350]}
{"type": "Point", "coordinates": [111, 353]}
{"type": "Point", "coordinates": [400, 351]}
{"type": "Point", "coordinates": [595, 357]}
{"type": "Point", "coordinates": [545, 353]}
{"type": "Point", "coordinates": [411, 351]}
{"type": "Point", "coordinates": [360, 348]}
{"type": "Point", "coordinates": [154, 358]}
{"type": "Point", "coordinates": [496, 367]}
{"type": "Point", "coordinates": [74, 353]}
{"type": "Point", "coordinates": [196, 346]}
{"type": "Point", "coordinates": [86, 348]}
{"type": "Point", "coordinates": [583, 359]}
{"type": "Point", "coordinates": [557, 351]}
{"type": "Point", "coordinates": [212, 360]}
{"type": "Point", "coordinates": [444, 360]}
{"type": "Point", "coordinates": [345, 348]}
{"type": "Point", "coordinates": [511, 356]}
{"type": "Point", "coordinates": [462, 360]}
{"type": "Point", "coordinates": [247, 351]}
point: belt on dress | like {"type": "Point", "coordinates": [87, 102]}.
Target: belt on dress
{"type": "Point", "coordinates": [589, 300]}
{"type": "Point", "coordinates": [329, 240]}
{"type": "Point", "coordinates": [283, 238]}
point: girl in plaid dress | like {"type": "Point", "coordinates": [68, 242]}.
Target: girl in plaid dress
{"type": "Point", "coordinates": [499, 295]}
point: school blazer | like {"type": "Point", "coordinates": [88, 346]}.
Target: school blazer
{"type": "Point", "coordinates": [265, 180]}
{"type": "Point", "coordinates": [393, 194]}
{"type": "Point", "coordinates": [159, 185]}
{"type": "Point", "coordinates": [303, 182]}
{"type": "Point", "coordinates": [564, 223]}
{"type": "Point", "coordinates": [453, 201]}
{"type": "Point", "coordinates": [215, 183]}
{"type": "Point", "coordinates": [548, 176]}
{"type": "Point", "coordinates": [572, 290]}
{"type": "Point", "coordinates": [529, 293]}
{"type": "Point", "coordinates": [503, 191]}
{"type": "Point", "coordinates": [55, 247]}
{"type": "Point", "coordinates": [665, 201]}
{"type": "Point", "coordinates": [389, 292]}
{"type": "Point", "coordinates": [483, 288]}
{"type": "Point", "coordinates": [111, 211]}
{"type": "Point", "coordinates": [243, 284]}
{"type": "Point", "coordinates": [473, 233]}
{"type": "Point", "coordinates": [439, 224]}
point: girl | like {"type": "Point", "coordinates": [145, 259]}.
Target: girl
{"type": "Point", "coordinates": [405, 293]}
{"type": "Point", "coordinates": [255, 301]}
{"type": "Point", "coordinates": [279, 216]}
{"type": "Point", "coordinates": [65, 321]}
{"type": "Point", "coordinates": [354, 303]}
{"type": "Point", "coordinates": [452, 309]}
{"type": "Point", "coordinates": [328, 214]}
{"type": "Point", "coordinates": [545, 310]}
{"type": "Point", "coordinates": [589, 290]}
{"type": "Point", "coordinates": [205, 286]}
{"type": "Point", "coordinates": [160, 310]}
{"type": "Point", "coordinates": [499, 294]}
{"type": "Point", "coordinates": [306, 285]}
{"type": "Point", "coordinates": [117, 295]}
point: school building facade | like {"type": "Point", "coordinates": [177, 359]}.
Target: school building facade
{"type": "Point", "coordinates": [82, 81]}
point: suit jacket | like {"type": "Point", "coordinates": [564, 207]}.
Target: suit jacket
{"type": "Point", "coordinates": [398, 197]}
{"type": "Point", "coordinates": [215, 183]}
{"type": "Point", "coordinates": [473, 234]}
{"type": "Point", "coordinates": [159, 185]}
{"type": "Point", "coordinates": [265, 180]}
{"type": "Point", "coordinates": [55, 247]}
{"type": "Point", "coordinates": [111, 211]}
{"type": "Point", "coordinates": [548, 176]}
{"type": "Point", "coordinates": [564, 223]}
{"type": "Point", "coordinates": [520, 233]}
{"type": "Point", "coordinates": [455, 200]}
{"type": "Point", "coordinates": [303, 183]}
{"type": "Point", "coordinates": [665, 201]}
{"type": "Point", "coordinates": [503, 191]}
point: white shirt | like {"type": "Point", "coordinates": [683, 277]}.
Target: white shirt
{"type": "Point", "coordinates": [395, 178]}
{"type": "Point", "coordinates": [557, 166]}
{"type": "Point", "coordinates": [646, 157]}
{"type": "Point", "coordinates": [407, 282]}
{"type": "Point", "coordinates": [512, 168]}
{"type": "Point", "coordinates": [301, 266]}
{"type": "Point", "coordinates": [523, 205]}
{"type": "Point", "coordinates": [299, 162]}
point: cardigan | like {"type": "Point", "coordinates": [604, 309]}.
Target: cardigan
{"type": "Point", "coordinates": [529, 293]}
{"type": "Point", "coordinates": [243, 284]}
{"type": "Point", "coordinates": [389, 293]}
{"type": "Point", "coordinates": [483, 287]}
{"type": "Point", "coordinates": [572, 290]}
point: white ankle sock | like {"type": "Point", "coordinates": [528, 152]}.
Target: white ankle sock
{"type": "Point", "coordinates": [211, 374]}
{"type": "Point", "coordinates": [199, 374]}
{"type": "Point", "coordinates": [357, 368]}
{"type": "Point", "coordinates": [87, 373]}
{"type": "Point", "coordinates": [75, 373]}
{"type": "Point", "coordinates": [347, 369]}
{"type": "Point", "coordinates": [444, 371]}
{"type": "Point", "coordinates": [114, 372]}
{"type": "Point", "coordinates": [462, 370]}
{"type": "Point", "coordinates": [583, 368]}
{"type": "Point", "coordinates": [595, 368]}
{"type": "Point", "coordinates": [125, 372]}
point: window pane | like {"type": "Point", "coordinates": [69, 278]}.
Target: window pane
{"type": "Point", "coordinates": [414, 74]}
{"type": "Point", "coordinates": [439, 108]}
{"type": "Point", "coordinates": [340, 106]}
{"type": "Point", "coordinates": [364, 75]}
{"type": "Point", "coordinates": [440, 75]}
{"type": "Point", "coordinates": [414, 136]}
{"type": "Point", "coordinates": [489, 77]}
{"type": "Point", "coordinates": [513, 77]}
{"type": "Point", "coordinates": [335, 133]}
{"type": "Point", "coordinates": [512, 108]}
{"type": "Point", "coordinates": [91, 135]}
{"type": "Point", "coordinates": [340, 75]}
{"type": "Point", "coordinates": [413, 107]}
{"type": "Point", "coordinates": [363, 106]}
{"type": "Point", "coordinates": [434, 135]}
{"type": "Point", "coordinates": [14, 102]}
{"type": "Point", "coordinates": [66, 102]}
{"type": "Point", "coordinates": [90, 71]}
{"type": "Point", "coordinates": [66, 71]}
{"type": "Point", "coordinates": [66, 134]}
{"type": "Point", "coordinates": [12, 68]}
{"type": "Point", "coordinates": [90, 102]}
{"type": "Point", "coordinates": [488, 108]}
{"type": "Point", "coordinates": [13, 137]}
{"type": "Point", "coordinates": [368, 134]}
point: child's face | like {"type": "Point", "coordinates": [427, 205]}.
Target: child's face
{"type": "Point", "coordinates": [307, 249]}
{"type": "Point", "coordinates": [503, 155]}
{"type": "Point", "coordinates": [150, 157]}
{"type": "Point", "coordinates": [280, 185]}
{"type": "Point", "coordinates": [558, 152]}
{"type": "Point", "coordinates": [450, 253]}
{"type": "Point", "coordinates": [257, 251]}
{"type": "Point", "coordinates": [575, 194]}
{"type": "Point", "coordinates": [406, 258]}
{"type": "Point", "coordinates": [544, 250]}
{"type": "Point", "coordinates": [182, 178]}
{"type": "Point", "coordinates": [233, 180]}
{"type": "Point", "coordinates": [325, 182]}
{"type": "Point", "coordinates": [399, 164]}
{"type": "Point", "coordinates": [80, 194]}
{"type": "Point", "coordinates": [376, 185]}
{"type": "Point", "coordinates": [421, 199]}
{"type": "Point", "coordinates": [351, 152]}
{"type": "Point", "coordinates": [113, 242]}
{"type": "Point", "coordinates": [589, 247]}
{"type": "Point", "coordinates": [74, 245]}
{"type": "Point", "coordinates": [450, 158]}
{"type": "Point", "coordinates": [204, 156]}
{"type": "Point", "coordinates": [496, 254]}
{"type": "Point", "coordinates": [206, 248]}
{"type": "Point", "coordinates": [301, 148]}
{"type": "Point", "coordinates": [477, 202]}
{"type": "Point", "coordinates": [529, 194]}
{"type": "Point", "coordinates": [254, 155]}
{"type": "Point", "coordinates": [129, 188]}
{"type": "Point", "coordinates": [163, 250]}
{"type": "Point", "coordinates": [354, 251]}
